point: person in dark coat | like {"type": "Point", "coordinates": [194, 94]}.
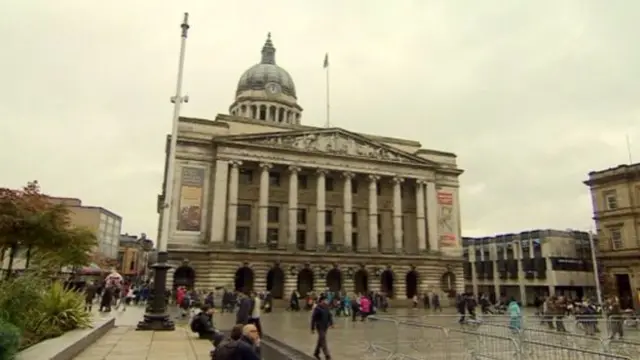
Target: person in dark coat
{"type": "Point", "coordinates": [321, 321]}
{"type": "Point", "coordinates": [89, 295]}
{"type": "Point", "coordinates": [202, 323]}
{"type": "Point", "coordinates": [245, 308]}
{"type": "Point", "coordinates": [107, 298]}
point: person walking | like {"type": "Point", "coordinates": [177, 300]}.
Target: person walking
{"type": "Point", "coordinates": [321, 321]}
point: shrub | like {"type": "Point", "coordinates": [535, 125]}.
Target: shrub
{"type": "Point", "coordinates": [9, 340]}
{"type": "Point", "coordinates": [41, 309]}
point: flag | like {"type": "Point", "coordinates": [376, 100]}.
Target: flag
{"type": "Point", "coordinates": [326, 61]}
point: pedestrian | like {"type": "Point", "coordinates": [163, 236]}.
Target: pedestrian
{"type": "Point", "coordinates": [245, 309]}
{"type": "Point", "coordinates": [515, 315]}
{"type": "Point", "coordinates": [254, 317]}
{"type": "Point", "coordinates": [321, 321]}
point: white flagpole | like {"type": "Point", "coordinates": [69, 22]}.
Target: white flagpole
{"type": "Point", "coordinates": [326, 68]}
{"type": "Point", "coordinates": [629, 150]}
{"type": "Point", "coordinates": [177, 100]}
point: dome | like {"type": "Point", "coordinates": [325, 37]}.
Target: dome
{"type": "Point", "coordinates": [267, 72]}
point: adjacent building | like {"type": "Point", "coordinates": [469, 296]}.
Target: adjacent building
{"type": "Point", "coordinates": [133, 256]}
{"type": "Point", "coordinates": [104, 223]}
{"type": "Point", "coordinates": [615, 194]}
{"type": "Point", "coordinates": [529, 264]}
{"type": "Point", "coordinates": [263, 201]}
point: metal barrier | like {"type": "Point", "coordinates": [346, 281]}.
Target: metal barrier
{"type": "Point", "coordinates": [415, 338]}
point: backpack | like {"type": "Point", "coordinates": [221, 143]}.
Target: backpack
{"type": "Point", "coordinates": [228, 350]}
{"type": "Point", "coordinates": [195, 324]}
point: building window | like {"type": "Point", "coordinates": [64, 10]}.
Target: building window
{"type": "Point", "coordinates": [611, 200]}
{"type": "Point", "coordinates": [328, 239]}
{"type": "Point", "coordinates": [379, 190]}
{"type": "Point", "coordinates": [379, 220]}
{"type": "Point", "coordinates": [354, 186]}
{"type": "Point", "coordinates": [245, 177]}
{"type": "Point", "coordinates": [303, 181]}
{"type": "Point", "coordinates": [274, 179]}
{"type": "Point", "coordinates": [328, 217]}
{"type": "Point", "coordinates": [272, 238]}
{"type": "Point", "coordinates": [616, 239]}
{"type": "Point", "coordinates": [301, 239]}
{"type": "Point", "coordinates": [328, 184]}
{"type": "Point", "coordinates": [302, 216]}
{"type": "Point", "coordinates": [263, 112]}
{"type": "Point", "coordinates": [132, 265]}
{"type": "Point", "coordinates": [379, 241]}
{"type": "Point", "coordinates": [354, 220]}
{"type": "Point", "coordinates": [354, 241]}
{"type": "Point", "coordinates": [273, 214]}
{"type": "Point", "coordinates": [242, 237]}
{"type": "Point", "coordinates": [244, 212]}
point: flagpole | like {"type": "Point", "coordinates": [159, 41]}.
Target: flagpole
{"type": "Point", "coordinates": [157, 317]}
{"type": "Point", "coordinates": [629, 150]}
{"type": "Point", "coordinates": [328, 98]}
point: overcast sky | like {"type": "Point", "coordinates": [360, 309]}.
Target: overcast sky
{"type": "Point", "coordinates": [531, 95]}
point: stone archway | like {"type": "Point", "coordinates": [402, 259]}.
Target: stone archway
{"type": "Point", "coordinates": [305, 281]}
{"type": "Point", "coordinates": [243, 280]}
{"type": "Point", "coordinates": [387, 279]}
{"type": "Point", "coordinates": [334, 280]}
{"type": "Point", "coordinates": [361, 281]}
{"type": "Point", "coordinates": [185, 276]}
{"type": "Point", "coordinates": [275, 282]}
{"type": "Point", "coordinates": [411, 283]}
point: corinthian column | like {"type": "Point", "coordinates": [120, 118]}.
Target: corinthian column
{"type": "Point", "coordinates": [293, 205]}
{"type": "Point", "coordinates": [320, 208]}
{"type": "Point", "coordinates": [373, 212]}
{"type": "Point", "coordinates": [420, 219]}
{"type": "Point", "coordinates": [232, 209]}
{"type": "Point", "coordinates": [348, 211]}
{"type": "Point", "coordinates": [263, 204]}
{"type": "Point", "coordinates": [432, 216]}
{"type": "Point", "coordinates": [397, 214]}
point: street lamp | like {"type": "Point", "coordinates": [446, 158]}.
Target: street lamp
{"type": "Point", "coordinates": [156, 317]}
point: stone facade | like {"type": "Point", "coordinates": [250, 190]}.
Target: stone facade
{"type": "Point", "coordinates": [262, 202]}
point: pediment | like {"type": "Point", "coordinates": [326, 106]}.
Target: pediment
{"type": "Point", "coordinates": [333, 141]}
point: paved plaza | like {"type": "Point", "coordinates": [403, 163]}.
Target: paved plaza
{"type": "Point", "coordinates": [355, 340]}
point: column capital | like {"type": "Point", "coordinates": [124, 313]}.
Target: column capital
{"type": "Point", "coordinates": [320, 171]}
{"type": "Point", "coordinates": [397, 180]}
{"type": "Point", "coordinates": [374, 178]}
{"type": "Point", "coordinates": [294, 169]}
{"type": "Point", "coordinates": [266, 166]}
{"type": "Point", "coordinates": [421, 181]}
{"type": "Point", "coordinates": [235, 163]}
{"type": "Point", "coordinates": [348, 175]}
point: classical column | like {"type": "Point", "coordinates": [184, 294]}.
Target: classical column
{"type": "Point", "coordinates": [232, 205]}
{"type": "Point", "coordinates": [218, 215]}
{"type": "Point", "coordinates": [348, 211]}
{"type": "Point", "coordinates": [373, 212]}
{"type": "Point", "coordinates": [293, 205]}
{"type": "Point", "coordinates": [420, 220]}
{"type": "Point", "coordinates": [432, 216]}
{"type": "Point", "coordinates": [397, 214]}
{"type": "Point", "coordinates": [320, 208]}
{"type": "Point", "coordinates": [263, 206]}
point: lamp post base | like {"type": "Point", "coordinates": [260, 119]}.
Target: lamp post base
{"type": "Point", "coordinates": [157, 317]}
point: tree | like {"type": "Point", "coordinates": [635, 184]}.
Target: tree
{"type": "Point", "coordinates": [30, 221]}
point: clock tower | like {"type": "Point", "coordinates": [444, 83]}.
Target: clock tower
{"type": "Point", "coordinates": [266, 91]}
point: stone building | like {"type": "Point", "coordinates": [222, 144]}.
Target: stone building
{"type": "Point", "coordinates": [263, 202]}
{"type": "Point", "coordinates": [615, 194]}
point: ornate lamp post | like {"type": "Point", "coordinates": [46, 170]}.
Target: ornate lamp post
{"type": "Point", "coordinates": [157, 317]}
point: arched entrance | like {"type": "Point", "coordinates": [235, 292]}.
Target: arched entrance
{"type": "Point", "coordinates": [243, 280]}
{"type": "Point", "coordinates": [184, 276]}
{"type": "Point", "coordinates": [334, 280]}
{"type": "Point", "coordinates": [448, 283]}
{"type": "Point", "coordinates": [386, 283]}
{"type": "Point", "coordinates": [305, 281]}
{"type": "Point", "coordinates": [361, 281]}
{"type": "Point", "coordinates": [275, 282]}
{"type": "Point", "coordinates": [411, 283]}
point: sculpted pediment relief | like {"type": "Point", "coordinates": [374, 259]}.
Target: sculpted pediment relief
{"type": "Point", "coordinates": [329, 141]}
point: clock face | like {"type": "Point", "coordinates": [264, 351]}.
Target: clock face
{"type": "Point", "coordinates": [273, 88]}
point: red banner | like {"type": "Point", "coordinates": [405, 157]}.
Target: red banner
{"type": "Point", "coordinates": [445, 198]}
